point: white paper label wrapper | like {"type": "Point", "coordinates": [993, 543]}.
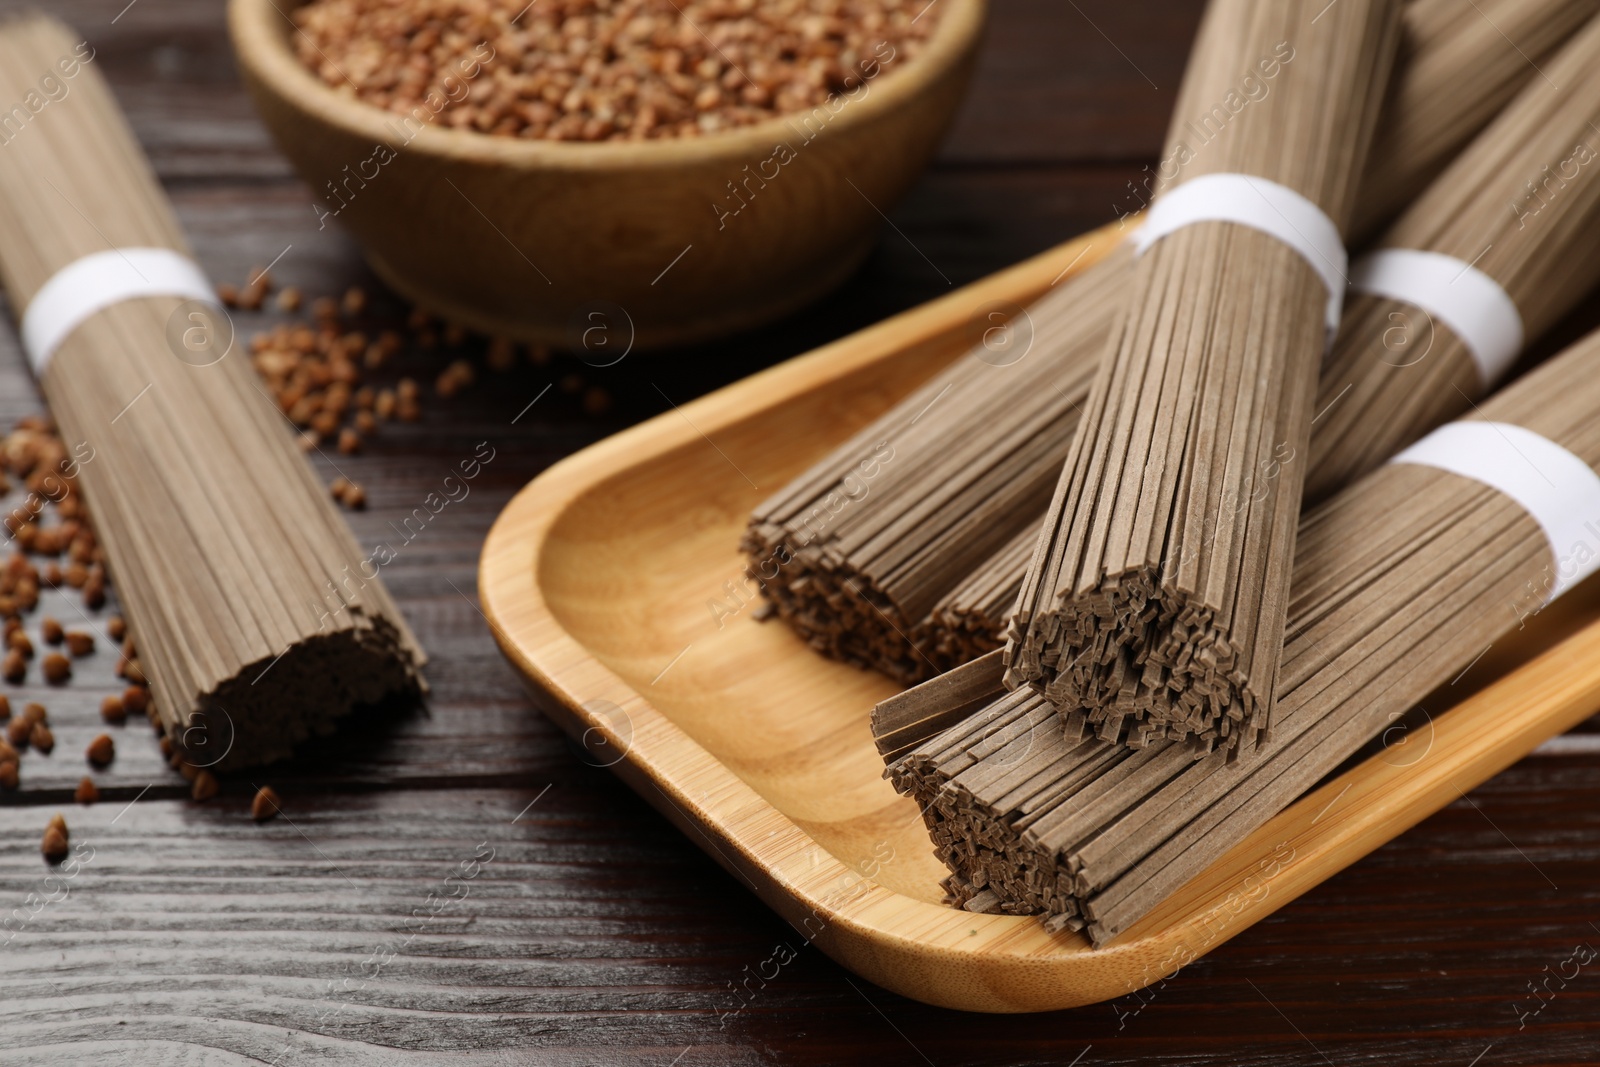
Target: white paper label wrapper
{"type": "Point", "coordinates": [1560, 491]}
{"type": "Point", "coordinates": [1459, 295]}
{"type": "Point", "coordinates": [89, 285]}
{"type": "Point", "coordinates": [1274, 209]}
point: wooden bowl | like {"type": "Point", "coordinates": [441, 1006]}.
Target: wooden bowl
{"type": "Point", "coordinates": [532, 239]}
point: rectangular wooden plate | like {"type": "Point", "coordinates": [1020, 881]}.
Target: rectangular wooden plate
{"type": "Point", "coordinates": [614, 584]}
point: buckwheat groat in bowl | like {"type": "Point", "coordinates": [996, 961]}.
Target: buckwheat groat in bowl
{"type": "Point", "coordinates": [686, 168]}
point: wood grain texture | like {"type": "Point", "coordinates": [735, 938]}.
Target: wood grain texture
{"type": "Point", "coordinates": [196, 952]}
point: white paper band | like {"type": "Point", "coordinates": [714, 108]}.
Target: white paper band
{"type": "Point", "coordinates": [88, 285]}
{"type": "Point", "coordinates": [1458, 294]}
{"type": "Point", "coordinates": [1262, 205]}
{"type": "Point", "coordinates": [1559, 490]}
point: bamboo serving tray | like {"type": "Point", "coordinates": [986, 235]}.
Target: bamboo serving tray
{"type": "Point", "coordinates": [599, 579]}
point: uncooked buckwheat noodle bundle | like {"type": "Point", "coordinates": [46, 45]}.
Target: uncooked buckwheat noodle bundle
{"type": "Point", "coordinates": [1511, 227]}
{"type": "Point", "coordinates": [870, 562]}
{"type": "Point", "coordinates": [1484, 52]}
{"type": "Point", "coordinates": [1400, 581]}
{"type": "Point", "coordinates": [257, 620]}
{"type": "Point", "coordinates": [1154, 604]}
{"type": "Point", "coordinates": [1504, 234]}
{"type": "Point", "coordinates": [957, 467]}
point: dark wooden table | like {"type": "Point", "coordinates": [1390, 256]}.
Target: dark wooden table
{"type": "Point", "coordinates": [597, 934]}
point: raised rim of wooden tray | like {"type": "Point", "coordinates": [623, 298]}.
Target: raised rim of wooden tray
{"type": "Point", "coordinates": [936, 954]}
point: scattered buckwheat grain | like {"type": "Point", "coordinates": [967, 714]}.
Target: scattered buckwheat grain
{"type": "Point", "coordinates": [265, 805]}
{"type": "Point", "coordinates": [54, 844]}
{"type": "Point", "coordinates": [101, 751]}
{"type": "Point", "coordinates": [57, 668]}
{"type": "Point", "coordinates": [205, 786]}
